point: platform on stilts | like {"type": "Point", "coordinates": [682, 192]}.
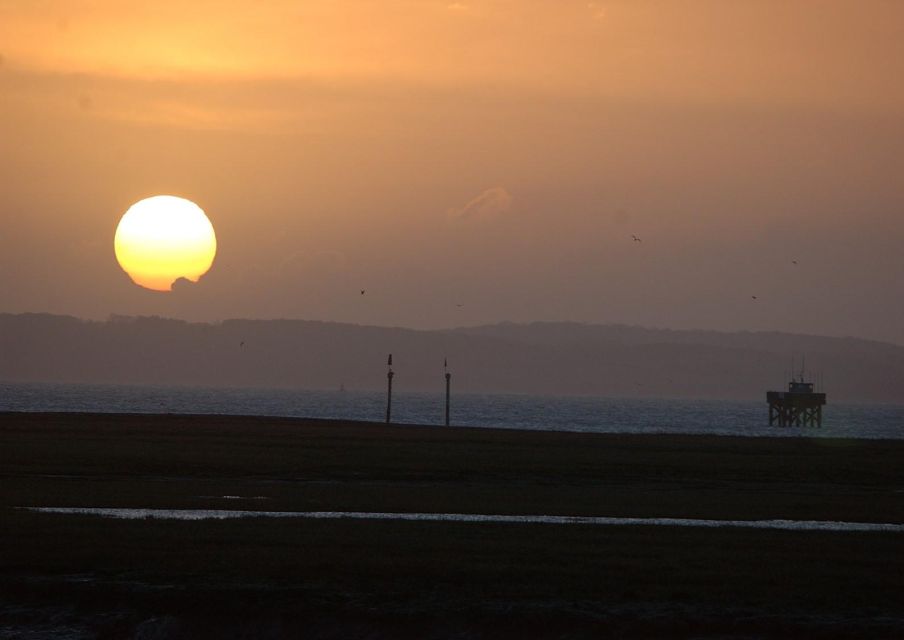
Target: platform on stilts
{"type": "Point", "coordinates": [799, 406]}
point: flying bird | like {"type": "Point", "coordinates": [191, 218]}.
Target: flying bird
{"type": "Point", "coordinates": [753, 297]}
{"type": "Point", "coordinates": [794, 262]}
{"type": "Point", "coordinates": [362, 291]}
{"type": "Point", "coordinates": [635, 238]}
{"type": "Point", "coordinates": [242, 343]}
{"type": "Point", "coordinates": [459, 305]}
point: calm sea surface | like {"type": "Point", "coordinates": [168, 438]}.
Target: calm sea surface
{"type": "Point", "coordinates": [603, 415]}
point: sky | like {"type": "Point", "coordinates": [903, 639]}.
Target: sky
{"type": "Point", "coordinates": [465, 162]}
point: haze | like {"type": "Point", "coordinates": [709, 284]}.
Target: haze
{"type": "Point", "coordinates": [465, 162]}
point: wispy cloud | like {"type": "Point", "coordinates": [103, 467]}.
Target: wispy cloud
{"type": "Point", "coordinates": [489, 204]}
{"type": "Point", "coordinates": [597, 10]}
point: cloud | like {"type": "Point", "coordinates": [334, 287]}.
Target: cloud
{"type": "Point", "coordinates": [181, 284]}
{"type": "Point", "coordinates": [489, 204]}
{"type": "Point", "coordinates": [597, 10]}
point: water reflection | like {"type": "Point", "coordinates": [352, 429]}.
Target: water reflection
{"type": "Point", "coordinates": [222, 514]}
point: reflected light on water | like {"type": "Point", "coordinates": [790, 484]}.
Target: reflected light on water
{"type": "Point", "coordinates": [216, 514]}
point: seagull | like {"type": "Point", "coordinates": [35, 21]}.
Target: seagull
{"type": "Point", "coordinates": [636, 239]}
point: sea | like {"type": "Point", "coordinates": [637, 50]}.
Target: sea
{"type": "Point", "coordinates": [507, 411]}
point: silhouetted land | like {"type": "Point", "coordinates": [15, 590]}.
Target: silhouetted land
{"type": "Point", "coordinates": [376, 579]}
{"type": "Point", "coordinates": [539, 358]}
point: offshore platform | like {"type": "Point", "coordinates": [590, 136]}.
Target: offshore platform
{"type": "Point", "coordinates": [799, 406]}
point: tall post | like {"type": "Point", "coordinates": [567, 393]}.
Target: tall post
{"type": "Point", "coordinates": [448, 380]}
{"type": "Point", "coordinates": [389, 375]}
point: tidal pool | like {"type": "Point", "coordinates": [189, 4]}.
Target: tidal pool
{"type": "Point", "coordinates": [226, 514]}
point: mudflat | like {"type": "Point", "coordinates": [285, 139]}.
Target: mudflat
{"type": "Point", "coordinates": [265, 577]}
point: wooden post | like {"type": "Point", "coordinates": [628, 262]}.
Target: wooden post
{"type": "Point", "coordinates": [389, 375]}
{"type": "Point", "coordinates": [448, 379]}
{"type": "Point", "coordinates": [389, 396]}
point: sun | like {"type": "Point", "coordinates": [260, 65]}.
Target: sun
{"type": "Point", "coordinates": [162, 239]}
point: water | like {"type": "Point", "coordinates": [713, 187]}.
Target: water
{"type": "Point", "coordinates": [598, 415]}
{"type": "Point", "coordinates": [226, 514]}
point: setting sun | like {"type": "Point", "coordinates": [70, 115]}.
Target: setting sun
{"type": "Point", "coordinates": [162, 239]}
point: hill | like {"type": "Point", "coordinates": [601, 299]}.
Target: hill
{"type": "Point", "coordinates": [538, 358]}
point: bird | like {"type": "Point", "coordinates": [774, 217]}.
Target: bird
{"type": "Point", "coordinates": [459, 305]}
{"type": "Point", "coordinates": [635, 238]}
{"type": "Point", "coordinates": [242, 343]}
{"type": "Point", "coordinates": [794, 262]}
{"type": "Point", "coordinates": [362, 291]}
{"type": "Point", "coordinates": [753, 297]}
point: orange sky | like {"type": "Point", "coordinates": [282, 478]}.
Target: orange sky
{"type": "Point", "coordinates": [494, 154]}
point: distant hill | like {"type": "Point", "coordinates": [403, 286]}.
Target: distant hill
{"type": "Point", "coordinates": [538, 358]}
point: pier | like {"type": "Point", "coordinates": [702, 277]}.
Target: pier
{"type": "Point", "coordinates": [799, 406]}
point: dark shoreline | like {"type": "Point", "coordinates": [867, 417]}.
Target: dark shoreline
{"type": "Point", "coordinates": [253, 578]}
